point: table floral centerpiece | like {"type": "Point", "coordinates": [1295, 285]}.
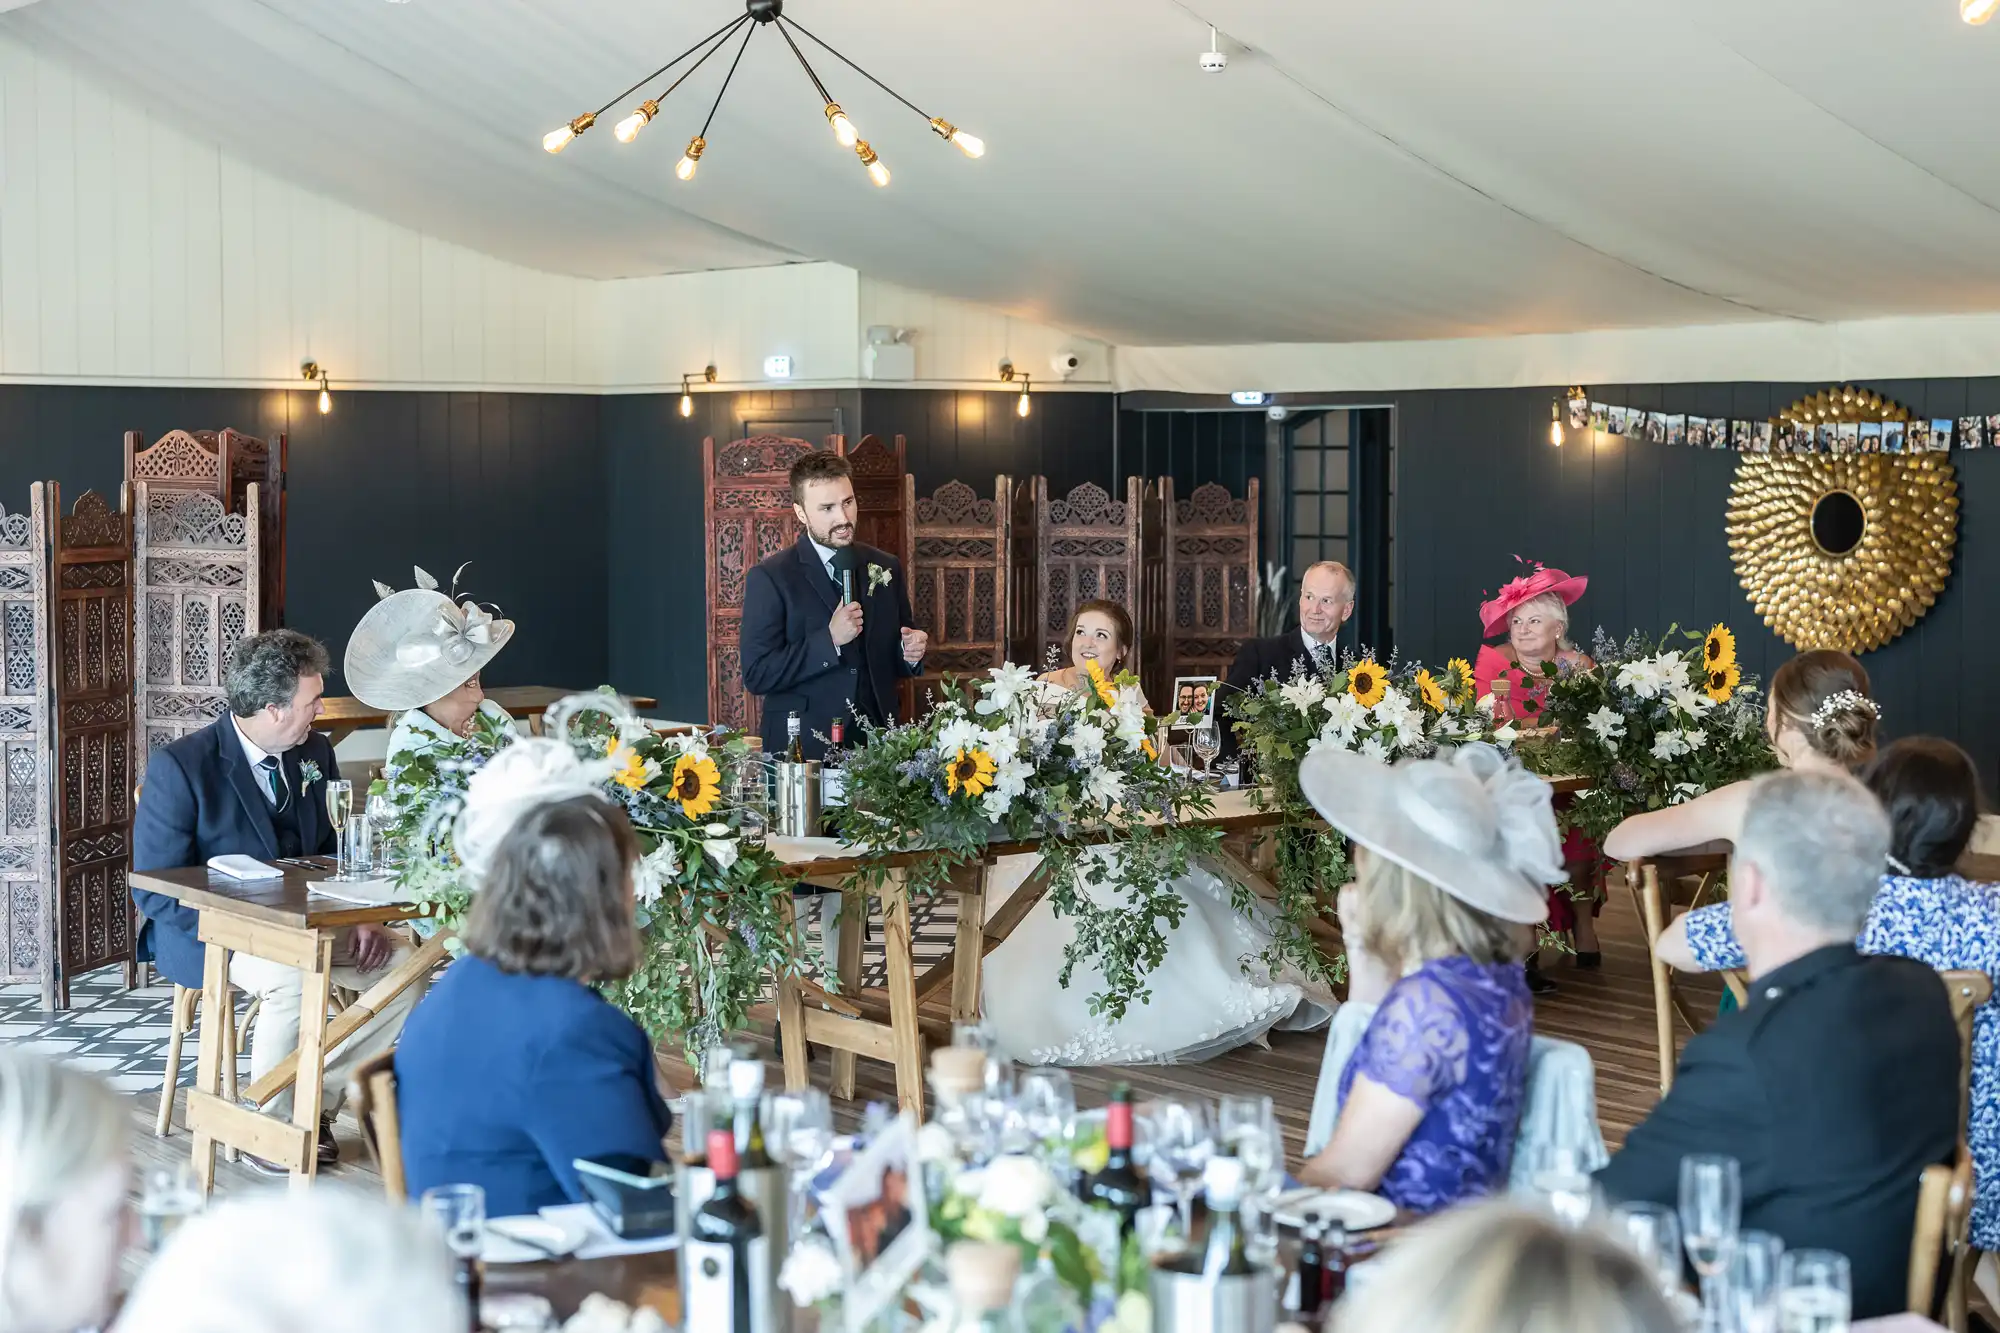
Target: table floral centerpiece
{"type": "Point", "coordinates": [711, 904]}
{"type": "Point", "coordinates": [1014, 758]}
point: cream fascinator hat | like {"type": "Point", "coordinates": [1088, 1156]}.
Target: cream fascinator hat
{"type": "Point", "coordinates": [1473, 822]}
{"type": "Point", "coordinates": [415, 647]}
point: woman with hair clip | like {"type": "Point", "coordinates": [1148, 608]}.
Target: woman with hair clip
{"type": "Point", "coordinates": [1819, 717]}
{"type": "Point", "coordinates": [514, 1066]}
{"type": "Point", "coordinates": [1210, 994]}
{"type": "Point", "coordinates": [65, 1176]}
{"type": "Point", "coordinates": [1924, 910]}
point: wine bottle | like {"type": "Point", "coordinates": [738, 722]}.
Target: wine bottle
{"type": "Point", "coordinates": [1223, 1255]}
{"type": "Point", "coordinates": [1119, 1187]}
{"type": "Point", "coordinates": [832, 778]}
{"type": "Point", "coordinates": [1333, 1262]}
{"type": "Point", "coordinates": [746, 1087]}
{"type": "Point", "coordinates": [728, 1261]}
{"type": "Point", "coordinates": [794, 752]}
{"type": "Point", "coordinates": [1312, 1271]}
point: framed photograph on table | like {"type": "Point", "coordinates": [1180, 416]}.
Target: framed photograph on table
{"type": "Point", "coordinates": [1194, 703]}
{"type": "Point", "coordinates": [876, 1216]}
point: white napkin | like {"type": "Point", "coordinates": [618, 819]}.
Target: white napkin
{"type": "Point", "coordinates": [243, 867]}
{"type": "Point", "coordinates": [366, 892]}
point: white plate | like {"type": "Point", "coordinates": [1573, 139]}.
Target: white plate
{"type": "Point", "coordinates": [529, 1239]}
{"type": "Point", "coordinates": [1351, 1208]}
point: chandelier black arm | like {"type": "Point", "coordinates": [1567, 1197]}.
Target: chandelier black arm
{"type": "Point", "coordinates": [720, 40]}
{"type": "Point", "coordinates": [789, 23]}
{"type": "Point", "coordinates": [805, 64]}
{"type": "Point", "coordinates": [740, 18]}
{"type": "Point", "coordinates": [726, 78]}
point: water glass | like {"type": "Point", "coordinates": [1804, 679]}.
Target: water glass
{"type": "Point", "coordinates": [1815, 1292]}
{"type": "Point", "coordinates": [1557, 1177]}
{"type": "Point", "coordinates": [1753, 1282]}
{"type": "Point", "coordinates": [1653, 1231]}
{"type": "Point", "coordinates": [459, 1213]}
{"type": "Point", "coordinates": [1045, 1104]}
{"type": "Point", "coordinates": [357, 849]}
{"type": "Point", "coordinates": [1182, 1140]}
{"type": "Point", "coordinates": [1711, 1212]}
{"type": "Point", "coordinates": [168, 1196]}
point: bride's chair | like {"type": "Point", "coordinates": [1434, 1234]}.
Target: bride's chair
{"type": "Point", "coordinates": [1560, 1110]}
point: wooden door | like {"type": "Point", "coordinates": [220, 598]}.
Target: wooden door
{"type": "Point", "coordinates": [91, 576]}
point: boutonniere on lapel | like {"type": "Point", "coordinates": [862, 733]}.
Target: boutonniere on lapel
{"type": "Point", "coordinates": [877, 576]}
{"type": "Point", "coordinates": [308, 773]}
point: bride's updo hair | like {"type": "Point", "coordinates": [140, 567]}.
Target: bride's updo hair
{"type": "Point", "coordinates": [1111, 611]}
{"type": "Point", "coordinates": [1823, 695]}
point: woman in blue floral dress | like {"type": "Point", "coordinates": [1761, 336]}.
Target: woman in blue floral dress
{"type": "Point", "coordinates": [1924, 910]}
{"type": "Point", "coordinates": [1454, 857]}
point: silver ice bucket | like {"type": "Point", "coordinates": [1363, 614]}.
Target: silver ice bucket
{"type": "Point", "coordinates": [796, 798]}
{"type": "Point", "coordinates": [1191, 1303]}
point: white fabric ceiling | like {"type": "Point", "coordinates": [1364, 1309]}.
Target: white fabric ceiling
{"type": "Point", "coordinates": [1363, 171]}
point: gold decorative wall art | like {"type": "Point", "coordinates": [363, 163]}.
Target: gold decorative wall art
{"type": "Point", "coordinates": [1843, 550]}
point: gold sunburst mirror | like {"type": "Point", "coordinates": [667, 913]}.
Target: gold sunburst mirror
{"type": "Point", "coordinates": [1843, 550]}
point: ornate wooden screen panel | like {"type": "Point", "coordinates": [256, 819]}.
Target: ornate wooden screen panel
{"type": "Point", "coordinates": [1209, 564]}
{"type": "Point", "coordinates": [879, 495]}
{"type": "Point", "coordinates": [1088, 547]}
{"type": "Point", "coordinates": [195, 568]}
{"type": "Point", "coordinates": [29, 900]}
{"type": "Point", "coordinates": [749, 516]}
{"type": "Point", "coordinates": [1024, 638]}
{"type": "Point", "coordinates": [91, 663]}
{"type": "Point", "coordinates": [959, 577]}
{"type": "Point", "coordinates": [225, 464]}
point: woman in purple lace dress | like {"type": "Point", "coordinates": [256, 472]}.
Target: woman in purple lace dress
{"type": "Point", "coordinates": [1454, 856]}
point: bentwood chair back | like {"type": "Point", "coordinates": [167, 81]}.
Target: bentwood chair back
{"type": "Point", "coordinates": [1966, 990]}
{"type": "Point", "coordinates": [373, 1089]}
{"type": "Point", "coordinates": [1657, 885]}
{"type": "Point", "coordinates": [1940, 1243]}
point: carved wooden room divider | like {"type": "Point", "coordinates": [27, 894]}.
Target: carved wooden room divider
{"type": "Point", "coordinates": [1202, 601]}
{"type": "Point", "coordinates": [880, 495]}
{"type": "Point", "coordinates": [25, 837]}
{"type": "Point", "coordinates": [91, 664]}
{"type": "Point", "coordinates": [959, 576]}
{"type": "Point", "coordinates": [195, 569]}
{"type": "Point", "coordinates": [225, 464]}
{"type": "Point", "coordinates": [1066, 552]}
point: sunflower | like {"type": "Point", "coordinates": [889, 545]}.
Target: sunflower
{"type": "Point", "coordinates": [1458, 682]}
{"type": "Point", "coordinates": [632, 773]}
{"type": "Point", "coordinates": [1100, 684]}
{"type": "Point", "coordinates": [696, 784]}
{"type": "Point", "coordinates": [1722, 680]}
{"type": "Point", "coordinates": [1433, 693]}
{"type": "Point", "coordinates": [1367, 683]}
{"type": "Point", "coordinates": [970, 772]}
{"type": "Point", "coordinates": [1718, 649]}
{"type": "Point", "coordinates": [1146, 744]}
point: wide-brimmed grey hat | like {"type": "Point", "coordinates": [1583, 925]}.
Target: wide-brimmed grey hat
{"type": "Point", "coordinates": [1473, 822]}
{"type": "Point", "coordinates": [416, 646]}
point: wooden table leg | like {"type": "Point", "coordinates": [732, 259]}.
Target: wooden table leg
{"type": "Point", "coordinates": [969, 946]}
{"type": "Point", "coordinates": [315, 991]}
{"type": "Point", "coordinates": [847, 968]}
{"type": "Point", "coordinates": [792, 1013]}
{"type": "Point", "coordinates": [909, 1042]}
{"type": "Point", "coordinates": [215, 1012]}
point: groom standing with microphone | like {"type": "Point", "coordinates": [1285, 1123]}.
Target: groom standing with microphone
{"type": "Point", "coordinates": [827, 629]}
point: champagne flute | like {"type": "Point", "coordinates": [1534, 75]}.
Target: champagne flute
{"type": "Point", "coordinates": [1206, 742]}
{"type": "Point", "coordinates": [1711, 1211]}
{"type": "Point", "coordinates": [1557, 1177]}
{"type": "Point", "coordinates": [1753, 1282]}
{"type": "Point", "coordinates": [1815, 1292]}
{"type": "Point", "coordinates": [1653, 1230]}
{"type": "Point", "coordinates": [339, 805]}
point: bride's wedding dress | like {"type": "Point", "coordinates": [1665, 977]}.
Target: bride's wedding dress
{"type": "Point", "coordinates": [1210, 992]}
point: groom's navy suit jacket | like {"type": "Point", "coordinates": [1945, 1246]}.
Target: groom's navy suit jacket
{"type": "Point", "coordinates": [202, 799]}
{"type": "Point", "coordinates": [788, 652]}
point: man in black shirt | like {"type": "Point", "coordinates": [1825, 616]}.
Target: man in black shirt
{"type": "Point", "coordinates": [1837, 1082]}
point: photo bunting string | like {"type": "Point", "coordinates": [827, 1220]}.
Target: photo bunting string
{"type": "Point", "coordinates": [1782, 435]}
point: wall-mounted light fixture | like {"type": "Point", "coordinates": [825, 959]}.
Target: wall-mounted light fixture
{"type": "Point", "coordinates": [310, 370]}
{"type": "Point", "coordinates": [687, 397]}
{"type": "Point", "coordinates": [1009, 375]}
{"type": "Point", "coordinates": [1555, 422]}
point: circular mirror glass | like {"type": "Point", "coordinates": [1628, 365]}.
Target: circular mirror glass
{"type": "Point", "coordinates": [1838, 523]}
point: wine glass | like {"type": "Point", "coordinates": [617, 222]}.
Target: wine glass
{"type": "Point", "coordinates": [1753, 1282]}
{"type": "Point", "coordinates": [798, 1126]}
{"type": "Point", "coordinates": [1183, 1139]}
{"type": "Point", "coordinates": [1248, 1127]}
{"type": "Point", "coordinates": [168, 1196]}
{"type": "Point", "coordinates": [1557, 1177]}
{"type": "Point", "coordinates": [1206, 742]}
{"type": "Point", "coordinates": [459, 1213]}
{"type": "Point", "coordinates": [381, 817]}
{"type": "Point", "coordinates": [1045, 1102]}
{"type": "Point", "coordinates": [339, 805]}
{"type": "Point", "coordinates": [1711, 1212]}
{"type": "Point", "coordinates": [1815, 1292]}
{"type": "Point", "coordinates": [1653, 1230]}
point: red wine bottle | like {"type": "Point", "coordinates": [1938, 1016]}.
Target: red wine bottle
{"type": "Point", "coordinates": [728, 1259]}
{"type": "Point", "coordinates": [1119, 1187]}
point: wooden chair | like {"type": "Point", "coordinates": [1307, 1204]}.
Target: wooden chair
{"type": "Point", "coordinates": [373, 1091]}
{"type": "Point", "coordinates": [1658, 884]}
{"type": "Point", "coordinates": [1941, 1243]}
{"type": "Point", "coordinates": [1967, 990]}
{"type": "Point", "coordinates": [187, 1004]}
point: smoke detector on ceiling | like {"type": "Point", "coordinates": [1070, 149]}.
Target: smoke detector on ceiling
{"type": "Point", "coordinates": [1214, 60]}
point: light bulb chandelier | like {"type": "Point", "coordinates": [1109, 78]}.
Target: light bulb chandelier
{"type": "Point", "coordinates": [1977, 11]}
{"type": "Point", "coordinates": [757, 14]}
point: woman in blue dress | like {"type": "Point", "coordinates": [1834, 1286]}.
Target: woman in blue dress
{"type": "Point", "coordinates": [1924, 910]}
{"type": "Point", "coordinates": [1454, 857]}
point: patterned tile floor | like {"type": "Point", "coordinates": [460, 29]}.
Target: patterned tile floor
{"type": "Point", "coordinates": [117, 1033]}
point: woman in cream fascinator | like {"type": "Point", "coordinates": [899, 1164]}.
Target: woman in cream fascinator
{"type": "Point", "coordinates": [419, 653]}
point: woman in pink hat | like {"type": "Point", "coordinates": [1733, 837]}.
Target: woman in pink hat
{"type": "Point", "coordinates": [1533, 612]}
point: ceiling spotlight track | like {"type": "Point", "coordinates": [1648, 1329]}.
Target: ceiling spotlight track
{"type": "Point", "coordinates": [758, 13]}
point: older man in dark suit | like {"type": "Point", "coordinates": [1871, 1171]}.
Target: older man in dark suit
{"type": "Point", "coordinates": [1836, 1084]}
{"type": "Point", "coordinates": [253, 783]}
{"type": "Point", "coordinates": [1326, 600]}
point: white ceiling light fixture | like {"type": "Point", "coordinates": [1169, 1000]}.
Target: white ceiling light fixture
{"type": "Point", "coordinates": [1977, 12]}
{"type": "Point", "coordinates": [758, 14]}
{"type": "Point", "coordinates": [1214, 60]}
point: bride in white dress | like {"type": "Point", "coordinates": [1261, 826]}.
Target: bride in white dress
{"type": "Point", "coordinates": [1210, 994]}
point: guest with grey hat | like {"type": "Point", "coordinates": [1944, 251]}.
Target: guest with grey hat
{"type": "Point", "coordinates": [1454, 855]}
{"type": "Point", "coordinates": [419, 654]}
